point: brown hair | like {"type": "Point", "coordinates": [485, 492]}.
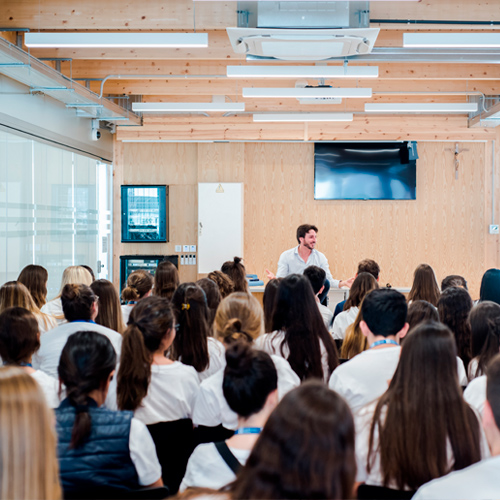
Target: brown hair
{"type": "Point", "coordinates": [212, 294]}
{"type": "Point", "coordinates": [34, 278]}
{"type": "Point", "coordinates": [224, 282]}
{"type": "Point", "coordinates": [19, 335]}
{"type": "Point", "coordinates": [413, 440]}
{"type": "Point", "coordinates": [420, 311]}
{"type": "Point", "coordinates": [77, 302]}
{"type": "Point", "coordinates": [139, 283]}
{"type": "Point", "coordinates": [29, 466]}
{"type": "Point", "coordinates": [369, 266]}
{"type": "Point", "coordinates": [15, 294]}
{"type": "Point", "coordinates": [453, 280]}
{"type": "Point", "coordinates": [364, 283]}
{"type": "Point", "coordinates": [268, 302]}
{"type": "Point", "coordinates": [150, 321]}
{"type": "Point", "coordinates": [109, 312]}
{"type": "Point", "coordinates": [454, 307]}
{"type": "Point", "coordinates": [354, 342]}
{"type": "Point", "coordinates": [303, 229]}
{"type": "Point", "coordinates": [425, 286]}
{"type": "Point", "coordinates": [191, 314]}
{"type": "Point", "coordinates": [166, 279]}
{"type": "Point", "coordinates": [238, 317]}
{"type": "Point", "coordinates": [236, 271]}
{"type": "Point", "coordinates": [305, 450]}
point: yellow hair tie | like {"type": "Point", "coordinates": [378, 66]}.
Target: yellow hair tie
{"type": "Point", "coordinates": [185, 306]}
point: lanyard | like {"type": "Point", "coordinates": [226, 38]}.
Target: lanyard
{"type": "Point", "coordinates": [83, 321]}
{"type": "Point", "coordinates": [21, 363]}
{"type": "Point", "coordinates": [248, 430]}
{"type": "Point", "coordinates": [383, 341]}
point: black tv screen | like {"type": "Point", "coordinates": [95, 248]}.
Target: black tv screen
{"type": "Point", "coordinates": [364, 171]}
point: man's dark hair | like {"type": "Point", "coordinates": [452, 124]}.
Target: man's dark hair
{"type": "Point", "coordinates": [369, 266]}
{"type": "Point", "coordinates": [493, 387]}
{"type": "Point", "coordinates": [304, 229]}
{"type": "Point", "coordinates": [384, 311]}
{"type": "Point", "coordinates": [316, 276]}
{"type": "Point", "coordinates": [453, 280]}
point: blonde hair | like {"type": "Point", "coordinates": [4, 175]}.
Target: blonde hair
{"type": "Point", "coordinates": [75, 275]}
{"type": "Point", "coordinates": [29, 467]}
{"type": "Point", "coordinates": [239, 316]}
{"type": "Point", "coordinates": [139, 283]}
{"type": "Point", "coordinates": [15, 294]}
{"type": "Point", "coordinates": [355, 342]}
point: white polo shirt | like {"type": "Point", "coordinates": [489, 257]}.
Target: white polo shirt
{"type": "Point", "coordinates": [475, 394]}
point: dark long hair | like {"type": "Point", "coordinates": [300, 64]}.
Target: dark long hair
{"type": "Point", "coordinates": [166, 279]}
{"type": "Point", "coordinates": [424, 412]}
{"type": "Point", "coordinates": [364, 283]}
{"type": "Point", "coordinates": [34, 278]}
{"type": "Point", "coordinates": [425, 285]}
{"type": "Point", "coordinates": [296, 313]}
{"type": "Point", "coordinates": [268, 302]}
{"type": "Point", "coordinates": [236, 271]}
{"type": "Point", "coordinates": [306, 449]}
{"type": "Point", "coordinates": [150, 320]}
{"type": "Point", "coordinates": [490, 286]}
{"type": "Point", "coordinates": [212, 293]}
{"type": "Point", "coordinates": [420, 311]}
{"type": "Point", "coordinates": [191, 314]}
{"type": "Point", "coordinates": [85, 364]}
{"type": "Point", "coordinates": [19, 335]}
{"type": "Point", "coordinates": [485, 327]}
{"type": "Point", "coordinates": [109, 312]}
{"type": "Point", "coordinates": [454, 307]}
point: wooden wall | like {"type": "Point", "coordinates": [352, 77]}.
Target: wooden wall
{"type": "Point", "coordinates": [446, 227]}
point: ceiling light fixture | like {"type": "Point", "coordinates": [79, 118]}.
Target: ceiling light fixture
{"type": "Point", "coordinates": [421, 107]}
{"type": "Point", "coordinates": [115, 40]}
{"type": "Point", "coordinates": [299, 93]}
{"type": "Point", "coordinates": [302, 72]}
{"type": "Point", "coordinates": [452, 40]}
{"type": "Point", "coordinates": [188, 107]}
{"type": "Point", "coordinates": [303, 117]}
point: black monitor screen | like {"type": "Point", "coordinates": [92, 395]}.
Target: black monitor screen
{"type": "Point", "coordinates": [364, 171]}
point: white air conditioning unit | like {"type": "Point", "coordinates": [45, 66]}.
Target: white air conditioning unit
{"type": "Point", "coordinates": [302, 44]}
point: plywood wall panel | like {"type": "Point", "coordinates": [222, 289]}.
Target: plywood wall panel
{"type": "Point", "coordinates": [221, 162]}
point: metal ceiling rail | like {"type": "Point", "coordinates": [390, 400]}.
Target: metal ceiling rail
{"type": "Point", "coordinates": [19, 65]}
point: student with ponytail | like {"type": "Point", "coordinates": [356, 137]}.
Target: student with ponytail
{"type": "Point", "coordinates": [99, 450]}
{"type": "Point", "coordinates": [250, 388]}
{"type": "Point", "coordinates": [139, 285]}
{"type": "Point", "coordinates": [239, 318]}
{"type": "Point", "coordinates": [192, 344]}
{"type": "Point", "coordinates": [236, 271]}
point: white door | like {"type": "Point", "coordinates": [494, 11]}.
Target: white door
{"type": "Point", "coordinates": [220, 224]}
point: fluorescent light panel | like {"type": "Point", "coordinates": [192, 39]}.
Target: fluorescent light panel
{"type": "Point", "coordinates": [302, 71]}
{"type": "Point", "coordinates": [116, 40]}
{"type": "Point", "coordinates": [299, 93]}
{"type": "Point", "coordinates": [421, 107]}
{"type": "Point", "coordinates": [188, 107]}
{"type": "Point", "coordinates": [452, 40]}
{"type": "Point", "coordinates": [303, 117]}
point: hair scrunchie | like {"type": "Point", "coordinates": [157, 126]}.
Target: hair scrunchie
{"type": "Point", "coordinates": [185, 307]}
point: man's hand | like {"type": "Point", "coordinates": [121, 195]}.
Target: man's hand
{"type": "Point", "coordinates": [346, 283]}
{"type": "Point", "coordinates": [271, 275]}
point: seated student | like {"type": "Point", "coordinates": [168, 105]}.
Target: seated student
{"type": "Point", "coordinates": [15, 294]}
{"type": "Point", "coordinates": [80, 307]}
{"type": "Point", "coordinates": [154, 387]}
{"type": "Point", "coordinates": [192, 344]}
{"type": "Point", "coordinates": [365, 377]}
{"type": "Point", "coordinates": [19, 340]}
{"type": "Point", "coordinates": [363, 284]}
{"type": "Point", "coordinates": [110, 313]}
{"type": "Point", "coordinates": [35, 278]}
{"type": "Point", "coordinates": [250, 388]}
{"type": "Point", "coordinates": [453, 280]}
{"type": "Point", "coordinates": [239, 318]}
{"type": "Point", "coordinates": [490, 286]}
{"type": "Point", "coordinates": [224, 282]}
{"type": "Point", "coordinates": [236, 271]}
{"type": "Point", "coordinates": [425, 286]}
{"type": "Point", "coordinates": [98, 449]}
{"type": "Point", "coordinates": [268, 302]}
{"type": "Point", "coordinates": [420, 428]}
{"type": "Point", "coordinates": [213, 296]}
{"type": "Point", "coordinates": [365, 266]}
{"type": "Point", "coordinates": [73, 275]}
{"type": "Point", "coordinates": [420, 311]}
{"type": "Point", "coordinates": [485, 328]}
{"type": "Point", "coordinates": [316, 277]}
{"type": "Point", "coordinates": [28, 469]}
{"type": "Point", "coordinates": [305, 450]}
{"type": "Point", "coordinates": [139, 285]}
{"type": "Point", "coordinates": [299, 335]}
{"type": "Point", "coordinates": [166, 279]}
{"type": "Point", "coordinates": [481, 480]}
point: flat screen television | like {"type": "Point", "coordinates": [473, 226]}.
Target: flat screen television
{"type": "Point", "coordinates": [364, 171]}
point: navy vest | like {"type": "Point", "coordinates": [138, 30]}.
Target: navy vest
{"type": "Point", "coordinates": [103, 461]}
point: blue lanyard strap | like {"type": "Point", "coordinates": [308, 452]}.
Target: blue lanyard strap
{"type": "Point", "coordinates": [248, 430]}
{"type": "Point", "coordinates": [21, 363]}
{"type": "Point", "coordinates": [383, 341]}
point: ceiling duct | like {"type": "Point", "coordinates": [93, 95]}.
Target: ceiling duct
{"type": "Point", "coordinates": [303, 31]}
